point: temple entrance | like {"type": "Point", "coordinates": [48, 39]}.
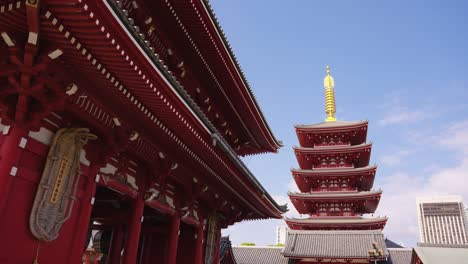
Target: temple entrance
{"type": "Point", "coordinates": [154, 237]}
{"type": "Point", "coordinates": [108, 222]}
{"type": "Point", "coordinates": [186, 247]}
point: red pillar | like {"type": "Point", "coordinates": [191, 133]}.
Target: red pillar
{"type": "Point", "coordinates": [84, 215]}
{"type": "Point", "coordinates": [173, 240]}
{"type": "Point", "coordinates": [199, 244]}
{"type": "Point", "coordinates": [116, 246]}
{"type": "Point", "coordinates": [10, 153]}
{"type": "Point", "coordinates": [133, 231]}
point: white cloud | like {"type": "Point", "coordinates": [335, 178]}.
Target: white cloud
{"type": "Point", "coordinates": [456, 137]}
{"type": "Point", "coordinates": [404, 115]}
{"type": "Point", "coordinates": [401, 189]}
{"type": "Point", "coordinates": [398, 112]}
{"type": "Point", "coordinates": [394, 158]}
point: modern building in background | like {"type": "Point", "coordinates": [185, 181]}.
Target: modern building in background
{"type": "Point", "coordinates": [281, 232]}
{"type": "Point", "coordinates": [466, 217]}
{"type": "Point", "coordinates": [442, 220]}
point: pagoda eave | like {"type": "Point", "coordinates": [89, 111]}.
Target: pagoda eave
{"type": "Point", "coordinates": [362, 178]}
{"type": "Point", "coordinates": [352, 223]}
{"type": "Point", "coordinates": [366, 147]}
{"type": "Point", "coordinates": [309, 203]}
{"type": "Point", "coordinates": [311, 135]}
{"type": "Point", "coordinates": [337, 126]}
{"type": "Point", "coordinates": [338, 172]}
{"type": "Point", "coordinates": [322, 196]}
{"type": "Point", "coordinates": [358, 155]}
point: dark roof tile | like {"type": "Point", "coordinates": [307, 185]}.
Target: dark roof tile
{"type": "Point", "coordinates": [400, 255]}
{"type": "Point", "coordinates": [336, 244]}
{"type": "Point", "coordinates": [259, 255]}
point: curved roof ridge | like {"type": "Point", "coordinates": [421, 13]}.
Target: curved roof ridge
{"type": "Point", "coordinates": [333, 124]}
{"type": "Point", "coordinates": [334, 194]}
{"type": "Point", "coordinates": [338, 169]}
{"type": "Point", "coordinates": [328, 232]}
{"type": "Point", "coordinates": [233, 57]}
{"type": "Point", "coordinates": [334, 147]}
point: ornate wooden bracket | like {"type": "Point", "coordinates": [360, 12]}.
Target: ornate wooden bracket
{"type": "Point", "coordinates": [27, 91]}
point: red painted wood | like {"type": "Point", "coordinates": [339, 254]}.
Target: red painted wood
{"type": "Point", "coordinates": [173, 240]}
{"type": "Point", "coordinates": [116, 246]}
{"type": "Point", "coordinates": [85, 214]}
{"type": "Point", "coordinates": [10, 154]}
{"type": "Point", "coordinates": [199, 245]}
{"type": "Point", "coordinates": [133, 233]}
{"type": "Point", "coordinates": [14, 221]}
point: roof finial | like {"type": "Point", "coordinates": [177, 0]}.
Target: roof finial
{"type": "Point", "coordinates": [330, 108]}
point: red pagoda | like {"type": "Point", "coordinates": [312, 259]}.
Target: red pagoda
{"type": "Point", "coordinates": [122, 126]}
{"type": "Point", "coordinates": [335, 182]}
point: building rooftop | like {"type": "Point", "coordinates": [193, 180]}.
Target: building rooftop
{"type": "Point", "coordinates": [440, 199]}
{"type": "Point", "coordinates": [391, 244]}
{"type": "Point", "coordinates": [400, 255]}
{"type": "Point", "coordinates": [442, 255]}
{"type": "Point", "coordinates": [335, 244]}
{"type": "Point", "coordinates": [259, 255]}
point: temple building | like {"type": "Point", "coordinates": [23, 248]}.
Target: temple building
{"type": "Point", "coordinates": [335, 182]}
{"type": "Point", "coordinates": [123, 123]}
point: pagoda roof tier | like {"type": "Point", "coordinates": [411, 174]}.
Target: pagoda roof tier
{"type": "Point", "coordinates": [358, 202]}
{"type": "Point", "coordinates": [331, 156]}
{"type": "Point", "coordinates": [314, 245]}
{"type": "Point", "coordinates": [337, 132]}
{"type": "Point", "coordinates": [360, 178]}
{"type": "Point", "coordinates": [337, 223]}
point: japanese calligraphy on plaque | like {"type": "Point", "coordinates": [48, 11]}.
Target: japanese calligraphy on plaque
{"type": "Point", "coordinates": [56, 192]}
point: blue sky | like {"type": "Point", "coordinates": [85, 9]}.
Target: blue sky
{"type": "Point", "coordinates": [400, 64]}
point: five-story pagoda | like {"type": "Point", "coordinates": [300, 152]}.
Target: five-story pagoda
{"type": "Point", "coordinates": [335, 183]}
{"type": "Point", "coordinates": [334, 178]}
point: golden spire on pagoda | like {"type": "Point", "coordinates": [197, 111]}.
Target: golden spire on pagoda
{"type": "Point", "coordinates": [330, 108]}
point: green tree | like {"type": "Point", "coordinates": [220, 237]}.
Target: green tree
{"type": "Point", "coordinates": [248, 244]}
{"type": "Point", "coordinates": [277, 245]}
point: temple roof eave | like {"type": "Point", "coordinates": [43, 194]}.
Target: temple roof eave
{"type": "Point", "coordinates": [275, 209]}
{"type": "Point", "coordinates": [337, 221]}
{"type": "Point", "coordinates": [335, 171]}
{"type": "Point", "coordinates": [268, 208]}
{"type": "Point", "coordinates": [336, 126]}
{"type": "Point", "coordinates": [333, 149]}
{"type": "Point", "coordinates": [274, 142]}
{"type": "Point", "coordinates": [335, 195]}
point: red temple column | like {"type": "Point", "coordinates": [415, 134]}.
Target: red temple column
{"type": "Point", "coordinates": [10, 152]}
{"type": "Point", "coordinates": [83, 223]}
{"type": "Point", "coordinates": [116, 246]}
{"type": "Point", "coordinates": [173, 239]}
{"type": "Point", "coordinates": [199, 244]}
{"type": "Point", "coordinates": [133, 231]}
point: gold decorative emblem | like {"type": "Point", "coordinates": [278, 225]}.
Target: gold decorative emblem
{"type": "Point", "coordinates": [56, 192]}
